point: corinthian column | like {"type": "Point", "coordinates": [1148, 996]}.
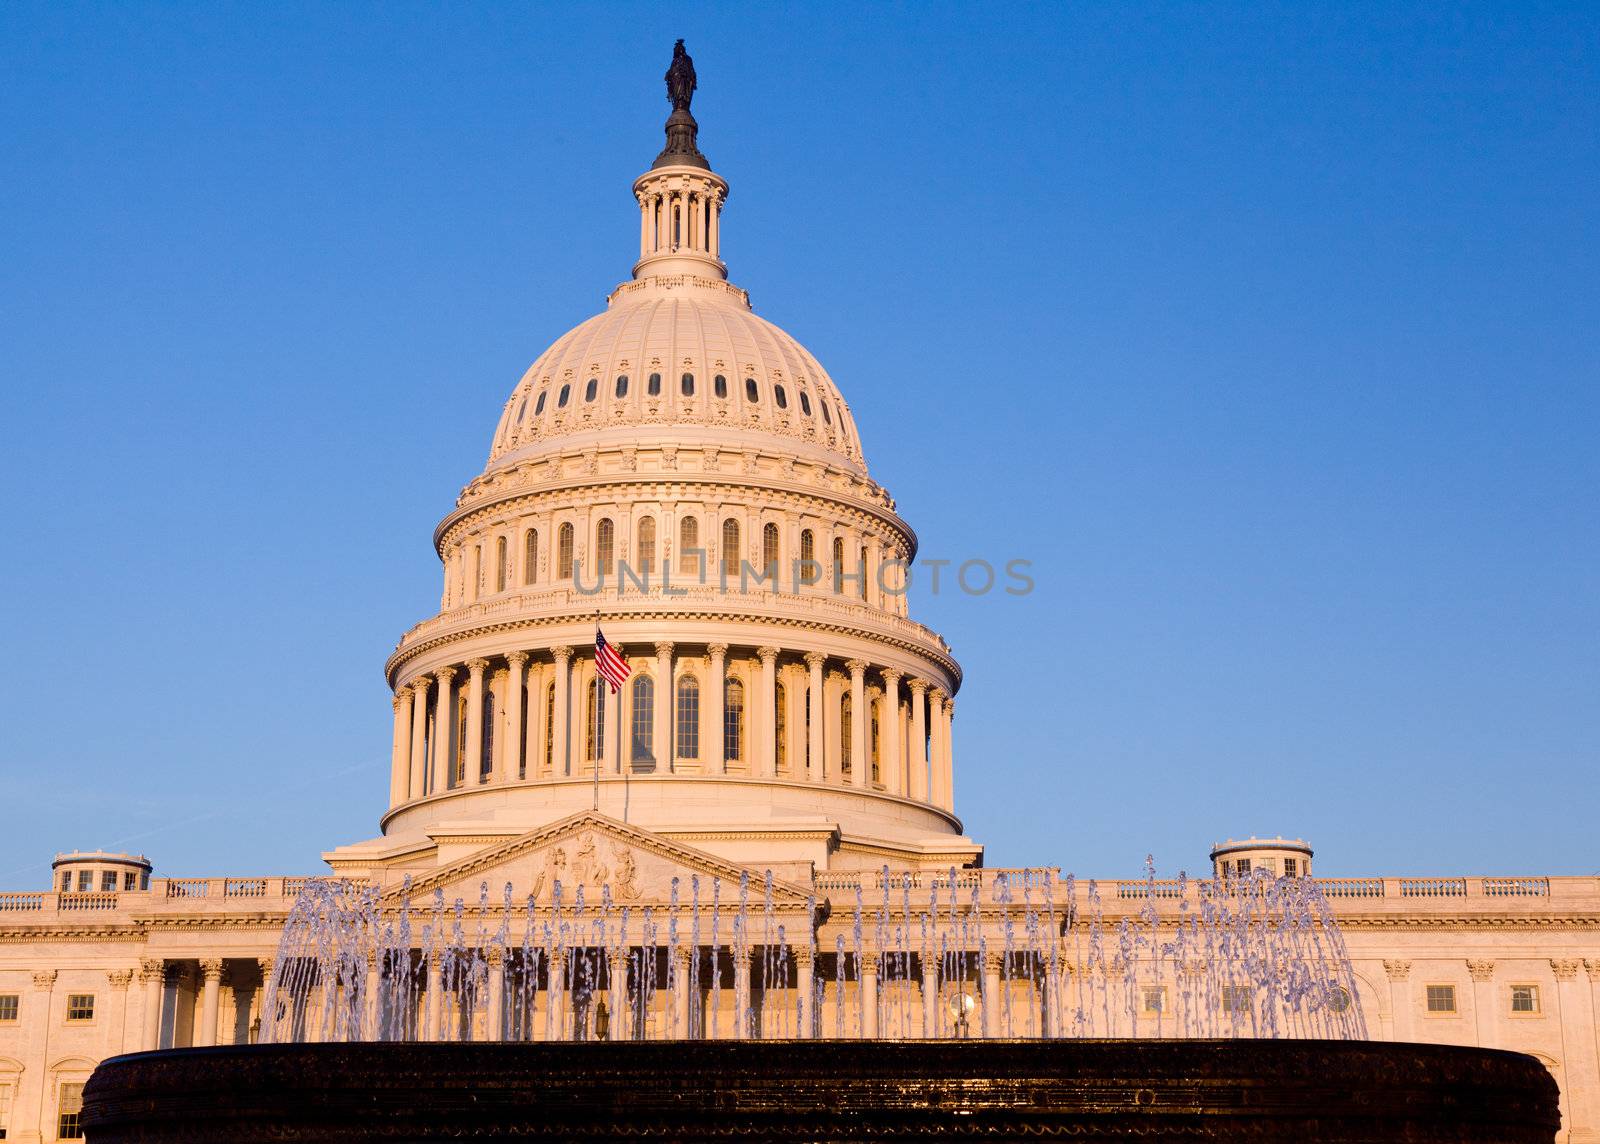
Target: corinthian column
{"type": "Point", "coordinates": [441, 731]}
{"type": "Point", "coordinates": [511, 742]}
{"type": "Point", "coordinates": [1399, 1000]}
{"type": "Point", "coordinates": [805, 992]}
{"type": "Point", "coordinates": [472, 768]}
{"type": "Point", "coordinates": [936, 745]}
{"type": "Point", "coordinates": [919, 740]}
{"type": "Point", "coordinates": [947, 755]}
{"type": "Point", "coordinates": [869, 995]}
{"type": "Point", "coordinates": [210, 991]}
{"type": "Point", "coordinates": [894, 764]}
{"type": "Point", "coordinates": [400, 755]}
{"type": "Point", "coordinates": [860, 718]}
{"type": "Point", "coordinates": [814, 709]}
{"type": "Point", "coordinates": [716, 692]}
{"type": "Point", "coordinates": [153, 977]}
{"type": "Point", "coordinates": [559, 717]}
{"type": "Point", "coordinates": [417, 783]}
{"type": "Point", "coordinates": [664, 714]}
{"type": "Point", "coordinates": [767, 705]}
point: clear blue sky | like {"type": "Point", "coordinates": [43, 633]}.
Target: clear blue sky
{"type": "Point", "coordinates": [1268, 333]}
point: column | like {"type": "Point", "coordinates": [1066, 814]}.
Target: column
{"type": "Point", "coordinates": [666, 700]}
{"type": "Point", "coordinates": [1483, 1014]}
{"type": "Point", "coordinates": [860, 720]}
{"type": "Point", "coordinates": [1399, 999]}
{"type": "Point", "coordinates": [644, 225]}
{"type": "Point", "coordinates": [930, 994]}
{"type": "Point", "coordinates": [117, 1038]}
{"type": "Point", "coordinates": [400, 754]}
{"type": "Point", "coordinates": [991, 993]}
{"type": "Point", "coordinates": [472, 768]}
{"type": "Point", "coordinates": [679, 984]}
{"type": "Point", "coordinates": [264, 966]}
{"type": "Point", "coordinates": [935, 747]}
{"type": "Point", "coordinates": [947, 753]}
{"type": "Point", "coordinates": [869, 996]}
{"type": "Point", "coordinates": [716, 224]}
{"type": "Point", "coordinates": [153, 978]}
{"type": "Point", "coordinates": [814, 732]}
{"type": "Point", "coordinates": [560, 720]}
{"type": "Point", "coordinates": [494, 1020]}
{"type": "Point", "coordinates": [919, 739]}
{"type": "Point", "coordinates": [511, 751]}
{"type": "Point", "coordinates": [894, 767]}
{"type": "Point", "coordinates": [555, 991]}
{"type": "Point", "coordinates": [416, 785]}
{"type": "Point", "coordinates": [716, 681]}
{"type": "Point", "coordinates": [741, 995]}
{"type": "Point", "coordinates": [1574, 1012]}
{"type": "Point", "coordinates": [211, 977]}
{"type": "Point", "coordinates": [617, 991]}
{"type": "Point", "coordinates": [806, 990]}
{"type": "Point", "coordinates": [435, 1026]}
{"type": "Point", "coordinates": [767, 704]}
{"type": "Point", "coordinates": [441, 731]}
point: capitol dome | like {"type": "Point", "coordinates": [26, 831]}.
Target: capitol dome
{"type": "Point", "coordinates": [685, 476]}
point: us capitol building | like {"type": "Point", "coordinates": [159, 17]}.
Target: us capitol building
{"type": "Point", "coordinates": [688, 472]}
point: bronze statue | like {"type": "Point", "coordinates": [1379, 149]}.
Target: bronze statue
{"type": "Point", "coordinates": [680, 79]}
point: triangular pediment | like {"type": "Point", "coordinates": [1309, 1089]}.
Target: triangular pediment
{"type": "Point", "coordinates": [593, 851]}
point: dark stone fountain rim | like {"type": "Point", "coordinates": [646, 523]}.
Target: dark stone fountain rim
{"type": "Point", "coordinates": [1293, 1090]}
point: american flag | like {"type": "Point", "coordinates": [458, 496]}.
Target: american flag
{"type": "Point", "coordinates": [612, 667]}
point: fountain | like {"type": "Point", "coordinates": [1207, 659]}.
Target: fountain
{"type": "Point", "coordinates": [962, 1004]}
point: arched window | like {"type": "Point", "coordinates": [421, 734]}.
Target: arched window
{"type": "Point", "coordinates": [522, 407]}
{"type": "Point", "coordinates": [689, 555]}
{"type": "Point", "coordinates": [646, 557]}
{"type": "Point", "coordinates": [780, 724]}
{"type": "Point", "coordinates": [805, 403]}
{"type": "Point", "coordinates": [809, 573]}
{"type": "Point", "coordinates": [807, 728]}
{"type": "Point", "coordinates": [862, 568]}
{"type": "Point", "coordinates": [719, 385]}
{"type": "Point", "coordinates": [538, 406]}
{"type": "Point", "coordinates": [838, 564]}
{"type": "Point", "coordinates": [594, 734]}
{"type": "Point", "coordinates": [564, 552]}
{"type": "Point", "coordinates": [561, 398]}
{"type": "Point", "coordinates": [688, 385]}
{"type": "Point", "coordinates": [769, 549]}
{"type": "Point", "coordinates": [730, 547]}
{"type": "Point", "coordinates": [486, 768]}
{"type": "Point", "coordinates": [780, 397]}
{"type": "Point", "coordinates": [687, 718]}
{"type": "Point", "coordinates": [622, 385]}
{"type": "Point", "coordinates": [549, 726]}
{"type": "Point", "coordinates": [653, 385]}
{"type": "Point", "coordinates": [752, 392]}
{"type": "Point", "coordinates": [605, 546]}
{"type": "Point", "coordinates": [732, 720]}
{"type": "Point", "coordinates": [845, 713]}
{"type": "Point", "coordinates": [458, 769]}
{"type": "Point", "coordinates": [644, 723]}
{"type": "Point", "coordinates": [874, 706]}
{"type": "Point", "coordinates": [590, 390]}
{"type": "Point", "coordinates": [530, 555]}
{"type": "Point", "coordinates": [500, 564]}
{"type": "Point", "coordinates": [826, 416]}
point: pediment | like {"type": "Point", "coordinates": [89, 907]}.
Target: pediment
{"type": "Point", "coordinates": [594, 851]}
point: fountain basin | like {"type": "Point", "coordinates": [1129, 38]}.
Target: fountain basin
{"type": "Point", "coordinates": [1259, 1090]}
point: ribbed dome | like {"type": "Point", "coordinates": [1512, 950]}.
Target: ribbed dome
{"type": "Point", "coordinates": [685, 354]}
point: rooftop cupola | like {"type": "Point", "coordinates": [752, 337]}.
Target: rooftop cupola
{"type": "Point", "coordinates": [680, 197]}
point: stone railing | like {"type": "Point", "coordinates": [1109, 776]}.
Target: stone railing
{"type": "Point", "coordinates": [18, 903]}
{"type": "Point", "coordinates": [244, 888]}
{"type": "Point", "coordinates": [187, 887]}
{"type": "Point", "coordinates": [1351, 887]}
{"type": "Point", "coordinates": [1433, 887]}
{"type": "Point", "coordinates": [1516, 887]}
{"type": "Point", "coordinates": [104, 900]}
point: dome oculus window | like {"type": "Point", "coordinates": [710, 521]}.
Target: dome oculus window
{"type": "Point", "coordinates": [590, 390]}
{"type": "Point", "coordinates": [688, 385]}
{"type": "Point", "coordinates": [622, 385]}
{"type": "Point", "coordinates": [653, 385]}
{"type": "Point", "coordinates": [561, 399]}
{"type": "Point", "coordinates": [719, 385]}
{"type": "Point", "coordinates": [538, 406]}
{"type": "Point", "coordinates": [805, 403]}
{"type": "Point", "coordinates": [780, 397]}
{"type": "Point", "coordinates": [752, 393]}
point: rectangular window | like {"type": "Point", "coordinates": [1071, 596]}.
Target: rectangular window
{"type": "Point", "coordinates": [66, 882]}
{"type": "Point", "coordinates": [1524, 998]}
{"type": "Point", "coordinates": [1153, 999]}
{"type": "Point", "coordinates": [1236, 998]}
{"type": "Point", "coordinates": [8, 1006]}
{"type": "Point", "coordinates": [1441, 998]}
{"type": "Point", "coordinates": [84, 883]}
{"type": "Point", "coordinates": [80, 1006]}
{"type": "Point", "coordinates": [5, 1109]}
{"type": "Point", "coordinates": [69, 1125]}
{"type": "Point", "coordinates": [1242, 867]}
{"type": "Point", "coordinates": [1291, 868]}
{"type": "Point", "coordinates": [130, 880]}
{"type": "Point", "coordinates": [108, 881]}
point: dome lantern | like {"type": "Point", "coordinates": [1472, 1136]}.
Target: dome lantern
{"type": "Point", "coordinates": [680, 198]}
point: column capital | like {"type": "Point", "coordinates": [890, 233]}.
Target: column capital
{"type": "Point", "coordinates": [717, 650]}
{"type": "Point", "coordinates": [420, 686]}
{"type": "Point", "coordinates": [396, 701]}
{"type": "Point", "coordinates": [44, 979]}
{"type": "Point", "coordinates": [617, 960]}
{"type": "Point", "coordinates": [1591, 966]}
{"type": "Point", "coordinates": [918, 685]}
{"type": "Point", "coordinates": [680, 955]}
{"type": "Point", "coordinates": [495, 956]}
{"type": "Point", "coordinates": [477, 666]}
{"type": "Point", "coordinates": [767, 654]}
{"type": "Point", "coordinates": [152, 969]}
{"type": "Point", "coordinates": [445, 674]}
{"type": "Point", "coordinates": [936, 695]}
{"type": "Point", "coordinates": [664, 647]}
{"type": "Point", "coordinates": [1397, 970]}
{"type": "Point", "coordinates": [1480, 970]}
{"type": "Point", "coordinates": [869, 962]}
{"type": "Point", "coordinates": [950, 708]}
{"type": "Point", "coordinates": [266, 965]}
{"type": "Point", "coordinates": [372, 959]}
{"type": "Point", "coordinates": [891, 677]}
{"type": "Point", "coordinates": [856, 666]}
{"type": "Point", "coordinates": [211, 968]}
{"type": "Point", "coordinates": [516, 658]}
{"type": "Point", "coordinates": [802, 956]}
{"type": "Point", "coordinates": [562, 653]}
{"type": "Point", "coordinates": [1565, 968]}
{"type": "Point", "coordinates": [119, 978]}
{"type": "Point", "coordinates": [815, 659]}
{"type": "Point", "coordinates": [993, 961]}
